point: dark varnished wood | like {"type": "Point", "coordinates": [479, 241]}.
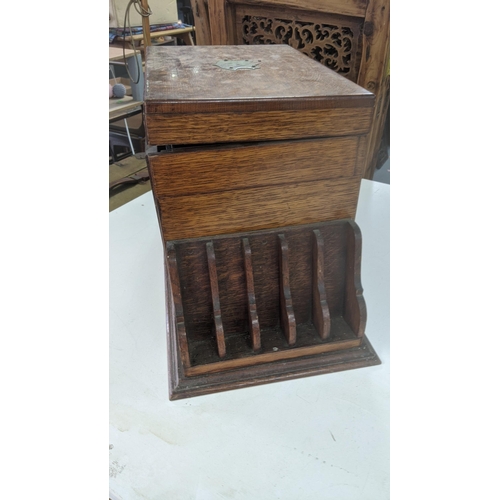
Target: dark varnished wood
{"type": "Point", "coordinates": [271, 357]}
{"type": "Point", "coordinates": [253, 318]}
{"type": "Point", "coordinates": [196, 289]}
{"type": "Point", "coordinates": [287, 315]}
{"type": "Point", "coordinates": [183, 386]}
{"type": "Point", "coordinates": [320, 311]}
{"type": "Point", "coordinates": [355, 306]}
{"type": "Point", "coordinates": [288, 337]}
{"type": "Point", "coordinates": [214, 286]}
{"type": "Point", "coordinates": [284, 8]}
{"type": "Point", "coordinates": [274, 346]}
{"type": "Point", "coordinates": [312, 34]}
{"type": "Point", "coordinates": [177, 312]}
{"type": "Point", "coordinates": [228, 106]}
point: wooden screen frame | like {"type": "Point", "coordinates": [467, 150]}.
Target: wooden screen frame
{"type": "Point", "coordinates": [215, 23]}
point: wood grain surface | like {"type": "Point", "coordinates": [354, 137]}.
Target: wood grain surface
{"type": "Point", "coordinates": [206, 128]}
{"type": "Point", "coordinates": [214, 288]}
{"type": "Point", "coordinates": [354, 305]}
{"type": "Point", "coordinates": [253, 318]}
{"type": "Point", "coordinates": [202, 22]}
{"type": "Point", "coordinates": [196, 292]}
{"type": "Point", "coordinates": [351, 8]}
{"type": "Point", "coordinates": [287, 316]}
{"type": "Point", "coordinates": [182, 386]}
{"type": "Point", "coordinates": [177, 309]}
{"type": "Point", "coordinates": [355, 8]}
{"type": "Point", "coordinates": [252, 209]}
{"type": "Point", "coordinates": [189, 171]}
{"type": "Point", "coordinates": [367, 21]}
{"type": "Point", "coordinates": [244, 365]}
{"type": "Point", "coordinates": [255, 203]}
{"type": "Point", "coordinates": [320, 311]}
{"type": "Point", "coordinates": [374, 74]}
{"type": "Point", "coordinates": [272, 357]}
{"type": "Point", "coordinates": [217, 21]}
{"type": "Point", "coordinates": [117, 54]}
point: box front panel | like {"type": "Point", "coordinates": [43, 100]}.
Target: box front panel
{"type": "Point", "coordinates": [251, 209]}
{"type": "Point", "coordinates": [209, 128]}
{"type": "Point", "coordinates": [225, 189]}
{"type": "Point", "coordinates": [188, 171]}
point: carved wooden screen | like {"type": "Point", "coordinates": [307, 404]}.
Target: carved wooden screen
{"type": "Point", "coordinates": [348, 36]}
{"type": "Point", "coordinates": [333, 42]}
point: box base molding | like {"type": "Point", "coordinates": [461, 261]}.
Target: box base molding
{"type": "Point", "coordinates": [181, 387]}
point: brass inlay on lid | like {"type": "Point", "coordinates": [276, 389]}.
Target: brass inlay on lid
{"type": "Point", "coordinates": [239, 64]}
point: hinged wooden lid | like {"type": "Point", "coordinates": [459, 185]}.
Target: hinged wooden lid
{"type": "Point", "coordinates": [184, 79]}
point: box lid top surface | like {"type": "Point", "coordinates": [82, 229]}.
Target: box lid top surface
{"type": "Point", "coordinates": [193, 78]}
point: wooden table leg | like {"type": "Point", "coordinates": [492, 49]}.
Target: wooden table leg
{"type": "Point", "coordinates": [187, 38]}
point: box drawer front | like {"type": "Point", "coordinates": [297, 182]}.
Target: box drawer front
{"type": "Point", "coordinates": [209, 128]}
{"type": "Point", "coordinates": [241, 210]}
{"type": "Point", "coordinates": [204, 170]}
{"type": "Point", "coordinates": [204, 191]}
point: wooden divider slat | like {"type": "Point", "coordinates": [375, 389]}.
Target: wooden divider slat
{"type": "Point", "coordinates": [320, 311]}
{"type": "Point", "coordinates": [214, 286]}
{"type": "Point", "coordinates": [286, 308]}
{"type": "Point", "coordinates": [253, 318]}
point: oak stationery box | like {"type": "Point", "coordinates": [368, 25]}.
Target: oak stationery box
{"type": "Point", "coordinates": [261, 151]}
